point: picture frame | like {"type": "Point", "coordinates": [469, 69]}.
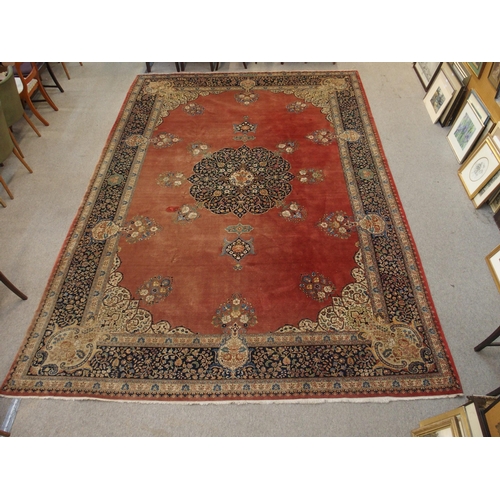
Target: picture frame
{"type": "Point", "coordinates": [426, 72]}
{"type": "Point", "coordinates": [480, 167]}
{"type": "Point", "coordinates": [491, 416]}
{"type": "Point", "coordinates": [495, 135]}
{"type": "Point", "coordinates": [462, 71]}
{"type": "Point", "coordinates": [494, 203]}
{"type": "Point", "coordinates": [464, 132]}
{"type": "Point", "coordinates": [494, 75]}
{"type": "Point", "coordinates": [478, 106]}
{"type": "Point", "coordinates": [476, 67]}
{"type": "Point", "coordinates": [438, 97]}
{"type": "Point", "coordinates": [493, 261]}
{"type": "Point", "coordinates": [488, 192]}
{"type": "Point", "coordinates": [447, 427]}
{"type": "Point", "coordinates": [450, 113]}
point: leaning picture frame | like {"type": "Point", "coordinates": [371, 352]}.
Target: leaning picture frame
{"type": "Point", "coordinates": [494, 203]}
{"type": "Point", "coordinates": [476, 67]}
{"type": "Point", "coordinates": [426, 71]}
{"type": "Point", "coordinates": [493, 261]}
{"type": "Point", "coordinates": [447, 427]}
{"type": "Point", "coordinates": [438, 97]}
{"type": "Point", "coordinates": [491, 416]}
{"type": "Point", "coordinates": [494, 75]}
{"type": "Point", "coordinates": [480, 167]}
{"type": "Point", "coordinates": [488, 193]}
{"type": "Point", "coordinates": [464, 132]}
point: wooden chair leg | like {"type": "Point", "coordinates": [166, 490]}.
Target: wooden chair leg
{"type": "Point", "coordinates": [31, 124]}
{"type": "Point", "coordinates": [16, 145]}
{"type": "Point", "coordinates": [3, 203]}
{"type": "Point", "coordinates": [65, 70]}
{"type": "Point", "coordinates": [22, 161]}
{"type": "Point", "coordinates": [4, 184]}
{"type": "Point", "coordinates": [35, 111]}
{"type": "Point", "coordinates": [47, 97]}
{"type": "Point", "coordinates": [10, 286]}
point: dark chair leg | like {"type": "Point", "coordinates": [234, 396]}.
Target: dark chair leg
{"type": "Point", "coordinates": [489, 341]}
{"type": "Point", "coordinates": [148, 67]}
{"type": "Point", "coordinates": [496, 392]}
{"type": "Point", "coordinates": [51, 73]}
{"type": "Point", "coordinates": [10, 286]}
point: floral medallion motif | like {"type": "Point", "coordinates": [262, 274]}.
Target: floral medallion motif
{"type": "Point", "coordinates": [140, 228]}
{"type": "Point", "coordinates": [198, 148]}
{"type": "Point", "coordinates": [245, 128]}
{"type": "Point", "coordinates": [293, 212]}
{"type": "Point", "coordinates": [372, 223]}
{"type": "Point", "coordinates": [322, 137]}
{"type": "Point", "coordinates": [104, 230]}
{"type": "Point", "coordinates": [156, 289]}
{"type": "Point", "coordinates": [337, 224]}
{"type": "Point", "coordinates": [136, 140]}
{"type": "Point", "coordinates": [164, 140]}
{"type": "Point", "coordinates": [248, 96]}
{"type": "Point", "coordinates": [310, 176]}
{"type": "Point", "coordinates": [288, 147]}
{"type": "Point", "coordinates": [186, 214]}
{"type": "Point", "coordinates": [115, 179]}
{"type": "Point", "coordinates": [316, 286]}
{"type": "Point", "coordinates": [194, 109]}
{"type": "Point", "coordinates": [241, 181]}
{"type": "Point", "coordinates": [296, 107]}
{"type": "Point", "coordinates": [235, 315]}
{"type": "Point", "coordinates": [238, 249]}
{"type": "Point", "coordinates": [171, 179]}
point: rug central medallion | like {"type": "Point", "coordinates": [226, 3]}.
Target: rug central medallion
{"type": "Point", "coordinates": [240, 181]}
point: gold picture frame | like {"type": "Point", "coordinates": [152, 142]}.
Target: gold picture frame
{"type": "Point", "coordinates": [447, 427]}
{"type": "Point", "coordinates": [454, 423]}
{"type": "Point", "coordinates": [480, 167]}
{"type": "Point", "coordinates": [493, 261]}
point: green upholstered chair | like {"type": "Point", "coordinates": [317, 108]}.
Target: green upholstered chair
{"type": "Point", "coordinates": [6, 148]}
{"type": "Point", "coordinates": [13, 109]}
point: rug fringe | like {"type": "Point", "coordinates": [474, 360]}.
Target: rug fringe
{"type": "Point", "coordinates": [387, 399]}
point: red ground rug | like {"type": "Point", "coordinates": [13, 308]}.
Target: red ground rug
{"type": "Point", "coordinates": [242, 239]}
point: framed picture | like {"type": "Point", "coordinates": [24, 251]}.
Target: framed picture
{"type": "Point", "coordinates": [462, 71]}
{"type": "Point", "coordinates": [487, 192]}
{"type": "Point", "coordinates": [447, 427]}
{"type": "Point", "coordinates": [478, 106]}
{"type": "Point", "coordinates": [476, 68]}
{"type": "Point", "coordinates": [450, 113]}
{"type": "Point", "coordinates": [493, 261]}
{"type": "Point", "coordinates": [491, 416]}
{"type": "Point", "coordinates": [426, 71]}
{"type": "Point", "coordinates": [464, 132]}
{"type": "Point", "coordinates": [495, 136]}
{"type": "Point", "coordinates": [495, 202]}
{"type": "Point", "coordinates": [438, 97]}
{"type": "Point", "coordinates": [494, 76]}
{"type": "Point", "coordinates": [454, 423]}
{"type": "Point", "coordinates": [480, 167]}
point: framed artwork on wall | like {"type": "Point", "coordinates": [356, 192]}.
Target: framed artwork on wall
{"type": "Point", "coordinates": [491, 417]}
{"type": "Point", "coordinates": [494, 76]}
{"type": "Point", "coordinates": [480, 167]}
{"type": "Point", "coordinates": [455, 103]}
{"type": "Point", "coordinates": [493, 261]}
{"type": "Point", "coordinates": [438, 97]}
{"type": "Point", "coordinates": [487, 192]}
{"type": "Point", "coordinates": [426, 71]}
{"type": "Point", "coordinates": [476, 67]}
{"type": "Point", "coordinates": [464, 132]}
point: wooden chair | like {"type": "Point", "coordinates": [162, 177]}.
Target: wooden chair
{"type": "Point", "coordinates": [6, 148]}
{"type": "Point", "coordinates": [12, 106]}
{"type": "Point", "coordinates": [30, 84]}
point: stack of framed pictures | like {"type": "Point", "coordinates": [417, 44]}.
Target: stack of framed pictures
{"type": "Point", "coordinates": [450, 112]}
{"type": "Point", "coordinates": [468, 126]}
{"type": "Point", "coordinates": [445, 85]}
{"type": "Point", "coordinates": [480, 173]}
